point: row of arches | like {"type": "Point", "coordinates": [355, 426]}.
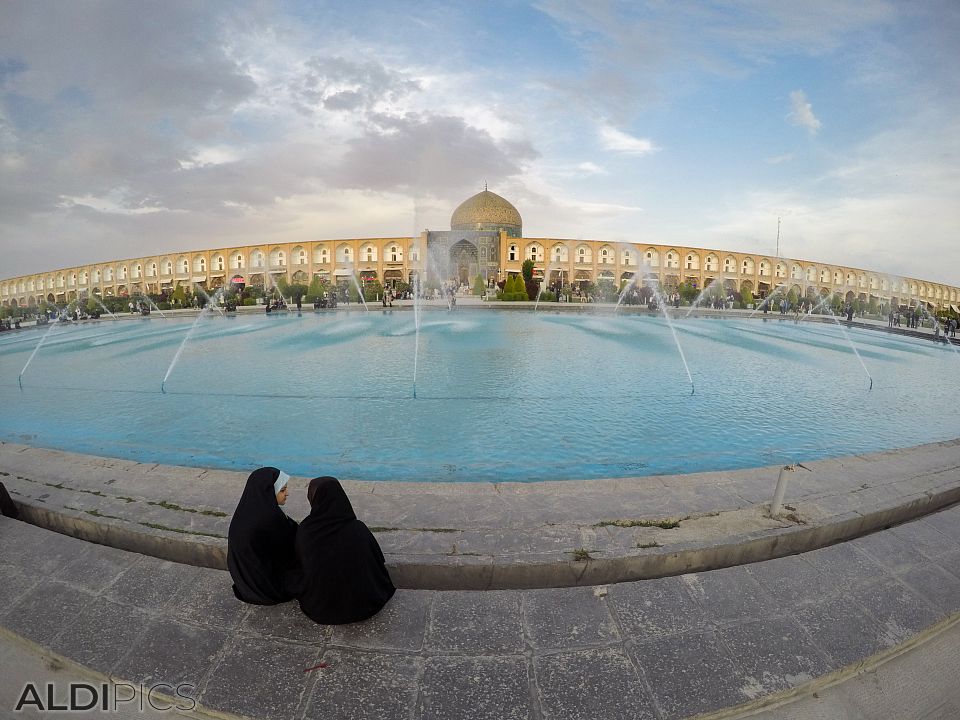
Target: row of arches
{"type": "Point", "coordinates": [601, 260]}
{"type": "Point", "coordinates": [728, 264]}
{"type": "Point", "coordinates": [214, 263]}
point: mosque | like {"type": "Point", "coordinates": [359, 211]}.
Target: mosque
{"type": "Point", "coordinates": [486, 239]}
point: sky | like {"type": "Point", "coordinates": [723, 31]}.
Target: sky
{"type": "Point", "coordinates": [132, 128]}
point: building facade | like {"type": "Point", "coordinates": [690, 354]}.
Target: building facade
{"type": "Point", "coordinates": [485, 239]}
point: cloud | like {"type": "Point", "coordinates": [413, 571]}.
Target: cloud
{"type": "Point", "coordinates": [801, 112]}
{"type": "Point", "coordinates": [778, 159]}
{"type": "Point", "coordinates": [619, 141]}
{"type": "Point", "coordinates": [423, 153]}
{"type": "Point", "coordinates": [341, 84]}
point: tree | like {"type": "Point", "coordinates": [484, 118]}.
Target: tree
{"type": "Point", "coordinates": [688, 293]}
{"type": "Point", "coordinates": [479, 287]}
{"type": "Point", "coordinates": [792, 298]}
{"type": "Point", "coordinates": [747, 297]}
{"type": "Point", "coordinates": [527, 270]}
{"type": "Point", "coordinates": [179, 296]}
{"type": "Point", "coordinates": [316, 289]}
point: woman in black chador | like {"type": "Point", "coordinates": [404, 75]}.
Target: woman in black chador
{"type": "Point", "coordinates": [260, 548]}
{"type": "Point", "coordinates": [344, 576]}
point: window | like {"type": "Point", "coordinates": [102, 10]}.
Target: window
{"type": "Point", "coordinates": [512, 253]}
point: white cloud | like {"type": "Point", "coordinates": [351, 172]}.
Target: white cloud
{"type": "Point", "coordinates": [778, 159]}
{"type": "Point", "coordinates": [590, 168]}
{"type": "Point", "coordinates": [619, 141]}
{"type": "Point", "coordinates": [801, 112]}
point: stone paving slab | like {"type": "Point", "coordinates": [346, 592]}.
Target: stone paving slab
{"type": "Point", "coordinates": [660, 648]}
{"type": "Point", "coordinates": [505, 535]}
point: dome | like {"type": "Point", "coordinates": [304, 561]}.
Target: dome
{"type": "Point", "coordinates": [485, 211]}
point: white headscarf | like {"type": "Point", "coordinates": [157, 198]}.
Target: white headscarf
{"type": "Point", "coordinates": [281, 482]}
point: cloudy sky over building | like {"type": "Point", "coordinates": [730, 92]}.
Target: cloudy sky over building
{"type": "Point", "coordinates": [131, 128]}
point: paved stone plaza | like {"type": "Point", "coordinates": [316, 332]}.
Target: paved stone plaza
{"type": "Point", "coordinates": [707, 617]}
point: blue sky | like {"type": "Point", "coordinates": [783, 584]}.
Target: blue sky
{"type": "Point", "coordinates": [131, 128]}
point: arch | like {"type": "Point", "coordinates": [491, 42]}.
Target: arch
{"type": "Point", "coordinates": [691, 261]}
{"type": "Point", "coordinates": [712, 263]}
{"type": "Point", "coordinates": [651, 257]}
{"type": "Point", "coordinates": [300, 277]}
{"type": "Point", "coordinates": [122, 272]}
{"type": "Point", "coordinates": [534, 251]}
{"type": "Point", "coordinates": [218, 264]}
{"type": "Point", "coordinates": [606, 255]}
{"type": "Point", "coordinates": [394, 253]}
{"type": "Point", "coordinates": [199, 264]}
{"type": "Point", "coordinates": [463, 261]}
{"type": "Point", "coordinates": [605, 275]}
{"type": "Point", "coordinates": [368, 253]}
{"type": "Point", "coordinates": [298, 256]}
{"type": "Point", "coordinates": [51, 298]}
{"type": "Point", "coordinates": [747, 266]}
{"type": "Point", "coordinates": [560, 253]}
{"type": "Point", "coordinates": [321, 254]}
{"type": "Point", "coordinates": [96, 275]}
{"type": "Point", "coordinates": [183, 265]}
{"type": "Point", "coordinates": [811, 273]}
{"type": "Point", "coordinates": [278, 258]}
{"type": "Point", "coordinates": [257, 258]}
{"type": "Point", "coordinates": [746, 286]}
{"type": "Point", "coordinates": [236, 261]}
{"type": "Point", "coordinates": [851, 279]}
{"type": "Point", "coordinates": [850, 296]}
{"type": "Point", "coordinates": [780, 271]}
{"type": "Point", "coordinates": [627, 257]}
{"type": "Point", "coordinates": [583, 254]}
{"type": "Point", "coordinates": [672, 259]}
{"type": "Point", "coordinates": [796, 272]}
{"type": "Point", "coordinates": [824, 275]}
{"type": "Point", "coordinates": [764, 270]}
{"type": "Point", "coordinates": [344, 253]}
{"type": "Point", "coordinates": [729, 264]}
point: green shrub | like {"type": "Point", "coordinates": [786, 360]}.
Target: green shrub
{"type": "Point", "coordinates": [249, 301]}
{"type": "Point", "coordinates": [479, 287]}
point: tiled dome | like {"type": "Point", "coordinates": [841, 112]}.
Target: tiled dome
{"type": "Point", "coordinates": [486, 210]}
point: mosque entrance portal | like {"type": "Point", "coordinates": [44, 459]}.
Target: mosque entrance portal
{"type": "Point", "coordinates": [463, 261]}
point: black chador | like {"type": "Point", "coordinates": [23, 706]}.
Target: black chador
{"type": "Point", "coordinates": [344, 576]}
{"type": "Point", "coordinates": [260, 548]}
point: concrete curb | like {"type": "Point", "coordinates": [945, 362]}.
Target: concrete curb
{"type": "Point", "coordinates": [463, 573]}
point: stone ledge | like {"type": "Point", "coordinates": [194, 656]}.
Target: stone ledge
{"type": "Point", "coordinates": [532, 570]}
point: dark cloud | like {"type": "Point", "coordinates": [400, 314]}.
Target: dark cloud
{"type": "Point", "coordinates": [433, 154]}
{"type": "Point", "coordinates": [337, 83]}
{"type": "Point", "coordinates": [105, 96]}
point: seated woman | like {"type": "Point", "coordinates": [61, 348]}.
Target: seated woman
{"type": "Point", "coordinates": [260, 545]}
{"type": "Point", "coordinates": [344, 576]}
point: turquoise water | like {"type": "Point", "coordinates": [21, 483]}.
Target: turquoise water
{"type": "Point", "coordinates": [501, 396]}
